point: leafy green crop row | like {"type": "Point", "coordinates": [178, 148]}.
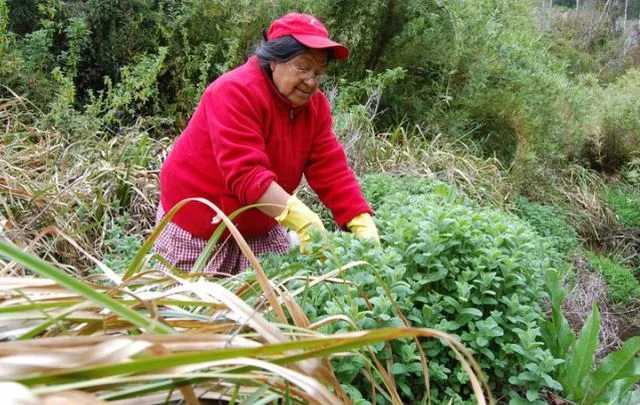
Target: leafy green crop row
{"type": "Point", "coordinates": [472, 272]}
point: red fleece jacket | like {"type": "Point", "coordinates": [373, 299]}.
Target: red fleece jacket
{"type": "Point", "coordinates": [242, 136]}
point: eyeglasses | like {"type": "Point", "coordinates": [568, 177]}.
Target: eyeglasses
{"type": "Point", "coordinates": [308, 74]}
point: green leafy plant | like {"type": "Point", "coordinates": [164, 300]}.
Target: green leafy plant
{"type": "Point", "coordinates": [476, 273]}
{"type": "Point", "coordinates": [549, 223]}
{"type": "Point", "coordinates": [120, 247]}
{"type": "Point", "coordinates": [611, 381]}
{"type": "Point", "coordinates": [235, 351]}
{"type": "Point", "coordinates": [613, 378]}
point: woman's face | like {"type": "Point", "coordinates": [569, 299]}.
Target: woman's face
{"type": "Point", "coordinates": [290, 77]}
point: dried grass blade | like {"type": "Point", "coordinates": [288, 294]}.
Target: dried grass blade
{"type": "Point", "coordinates": [242, 244]}
{"type": "Point", "coordinates": [47, 270]}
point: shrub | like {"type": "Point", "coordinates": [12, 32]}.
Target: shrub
{"type": "Point", "coordinates": [618, 138]}
{"type": "Point", "coordinates": [475, 273]}
{"type": "Point", "coordinates": [622, 285]}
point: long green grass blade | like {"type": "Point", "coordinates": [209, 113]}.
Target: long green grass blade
{"type": "Point", "coordinates": [33, 332]}
{"type": "Point", "coordinates": [579, 364]}
{"type": "Point", "coordinates": [45, 269]}
{"type": "Point", "coordinates": [623, 364]}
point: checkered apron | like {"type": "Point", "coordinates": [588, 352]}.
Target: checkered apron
{"type": "Point", "coordinates": [181, 248]}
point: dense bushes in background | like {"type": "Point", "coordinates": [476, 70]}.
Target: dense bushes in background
{"type": "Point", "coordinates": [477, 71]}
{"type": "Point", "coordinates": [472, 272]}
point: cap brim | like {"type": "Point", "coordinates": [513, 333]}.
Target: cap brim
{"type": "Point", "coordinates": [340, 52]}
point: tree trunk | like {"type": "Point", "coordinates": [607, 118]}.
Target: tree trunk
{"type": "Point", "coordinates": [383, 37]}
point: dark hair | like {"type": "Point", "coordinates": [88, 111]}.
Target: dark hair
{"type": "Point", "coordinates": [282, 49]}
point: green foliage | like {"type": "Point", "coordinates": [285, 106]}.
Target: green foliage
{"type": "Point", "coordinates": [549, 223]}
{"type": "Point", "coordinates": [23, 15]}
{"type": "Point", "coordinates": [612, 379]}
{"type": "Point", "coordinates": [475, 273]}
{"type": "Point", "coordinates": [378, 187]}
{"type": "Point", "coordinates": [478, 71]}
{"type": "Point", "coordinates": [625, 201]}
{"type": "Point", "coordinates": [622, 286]}
{"type": "Point", "coordinates": [136, 89]}
{"type": "Point", "coordinates": [4, 23]}
{"type": "Point", "coordinates": [120, 247]}
{"type": "Point", "coordinates": [617, 138]}
{"type": "Point", "coordinates": [631, 173]}
{"type": "Point", "coordinates": [616, 375]}
{"type": "Point", "coordinates": [557, 332]}
{"type": "Point", "coordinates": [580, 359]}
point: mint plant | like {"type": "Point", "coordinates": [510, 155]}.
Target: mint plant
{"type": "Point", "coordinates": [447, 264]}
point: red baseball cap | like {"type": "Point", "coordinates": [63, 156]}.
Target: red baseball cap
{"type": "Point", "coordinates": [309, 31]}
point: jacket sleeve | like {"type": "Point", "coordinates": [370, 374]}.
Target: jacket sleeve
{"type": "Point", "coordinates": [329, 174]}
{"type": "Point", "coordinates": [234, 122]}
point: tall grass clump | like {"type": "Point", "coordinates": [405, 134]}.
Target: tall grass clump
{"type": "Point", "coordinates": [616, 141]}
{"type": "Point", "coordinates": [62, 195]}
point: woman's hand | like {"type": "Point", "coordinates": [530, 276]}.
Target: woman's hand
{"type": "Point", "coordinates": [300, 219]}
{"type": "Point", "coordinates": [364, 228]}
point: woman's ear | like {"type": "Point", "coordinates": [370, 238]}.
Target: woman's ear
{"type": "Point", "coordinates": [272, 64]}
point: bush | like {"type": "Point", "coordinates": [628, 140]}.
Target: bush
{"type": "Point", "coordinates": [618, 137]}
{"type": "Point", "coordinates": [475, 273]}
{"type": "Point", "coordinates": [622, 285]}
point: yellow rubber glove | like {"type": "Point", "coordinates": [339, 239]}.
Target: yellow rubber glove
{"type": "Point", "coordinates": [300, 219]}
{"type": "Point", "coordinates": [363, 227]}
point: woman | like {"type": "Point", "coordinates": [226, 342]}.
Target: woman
{"type": "Point", "coordinates": [255, 132]}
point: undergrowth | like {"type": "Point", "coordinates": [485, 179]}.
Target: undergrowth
{"type": "Point", "coordinates": [623, 287]}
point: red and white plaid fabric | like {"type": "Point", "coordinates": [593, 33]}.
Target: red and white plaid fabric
{"type": "Point", "coordinates": [181, 248]}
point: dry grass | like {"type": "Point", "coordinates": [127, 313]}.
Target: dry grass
{"type": "Point", "coordinates": [50, 180]}
{"type": "Point", "coordinates": [590, 288]}
{"type": "Point", "coordinates": [624, 243]}
{"type": "Point", "coordinates": [400, 153]}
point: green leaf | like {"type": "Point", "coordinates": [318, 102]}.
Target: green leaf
{"type": "Point", "coordinates": [398, 368]}
{"type": "Point", "coordinates": [471, 311]}
{"type": "Point", "coordinates": [557, 332]}
{"type": "Point", "coordinates": [623, 364]}
{"type": "Point", "coordinates": [579, 363]}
